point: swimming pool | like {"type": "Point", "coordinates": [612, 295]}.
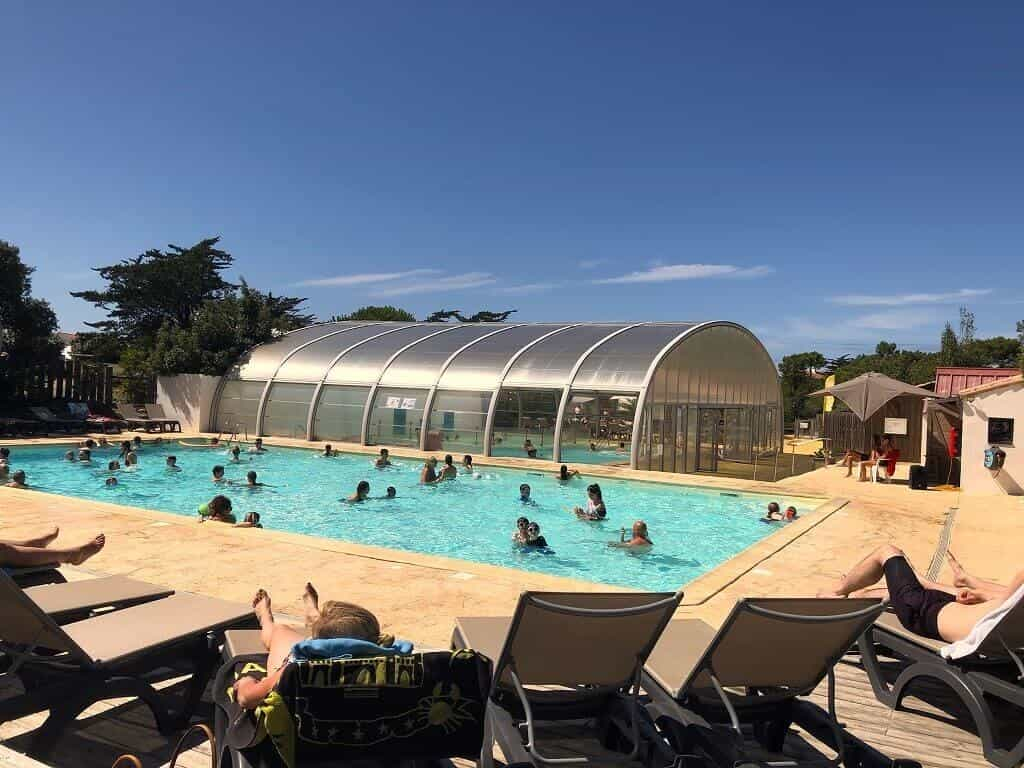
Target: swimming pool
{"type": "Point", "coordinates": [472, 518]}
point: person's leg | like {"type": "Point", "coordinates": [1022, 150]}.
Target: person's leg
{"type": "Point", "coordinates": [18, 556]}
{"type": "Point", "coordinates": [864, 470]}
{"type": "Point", "coordinates": [35, 541]}
{"type": "Point", "coordinates": [866, 573]}
{"type": "Point", "coordinates": [961, 578]}
{"type": "Point", "coordinates": [277, 638]}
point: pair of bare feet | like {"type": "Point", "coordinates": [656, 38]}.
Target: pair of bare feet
{"type": "Point", "coordinates": [71, 555]}
{"type": "Point", "coordinates": [263, 608]}
{"type": "Point", "coordinates": [961, 580]}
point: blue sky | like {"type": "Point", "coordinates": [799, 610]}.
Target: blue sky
{"type": "Point", "coordinates": [827, 174]}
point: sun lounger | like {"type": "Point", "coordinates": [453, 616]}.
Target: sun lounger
{"type": "Point", "coordinates": [137, 418]}
{"type": "Point", "coordinates": [155, 411]}
{"type": "Point", "coordinates": [49, 418]}
{"type": "Point", "coordinates": [65, 669]}
{"type": "Point", "coordinates": [377, 710]}
{"type": "Point", "coordinates": [767, 654]}
{"type": "Point", "coordinates": [566, 656]}
{"type": "Point", "coordinates": [996, 670]}
{"type": "Point", "coordinates": [34, 575]}
{"type": "Point", "coordinates": [75, 600]}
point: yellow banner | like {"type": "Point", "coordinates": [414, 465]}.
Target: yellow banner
{"type": "Point", "coordinates": [829, 400]}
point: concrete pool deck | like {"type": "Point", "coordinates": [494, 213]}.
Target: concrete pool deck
{"type": "Point", "coordinates": [419, 596]}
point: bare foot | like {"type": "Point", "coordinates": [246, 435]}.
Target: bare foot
{"type": "Point", "coordinates": [45, 539]}
{"type": "Point", "coordinates": [261, 606]}
{"type": "Point", "coordinates": [311, 602]}
{"type": "Point", "coordinates": [86, 551]}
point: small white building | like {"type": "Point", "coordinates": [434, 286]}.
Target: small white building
{"type": "Point", "coordinates": [991, 412]}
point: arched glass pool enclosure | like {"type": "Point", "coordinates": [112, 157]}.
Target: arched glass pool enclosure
{"type": "Point", "coordinates": [673, 397]}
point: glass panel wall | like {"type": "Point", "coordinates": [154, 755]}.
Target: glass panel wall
{"type": "Point", "coordinates": [339, 414]}
{"type": "Point", "coordinates": [237, 407]}
{"type": "Point", "coordinates": [287, 409]}
{"type": "Point", "coordinates": [457, 421]}
{"type": "Point", "coordinates": [396, 416]}
{"type": "Point", "coordinates": [598, 427]}
{"type": "Point", "coordinates": [524, 420]}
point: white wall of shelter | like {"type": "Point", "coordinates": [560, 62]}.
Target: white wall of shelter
{"type": "Point", "coordinates": [663, 396]}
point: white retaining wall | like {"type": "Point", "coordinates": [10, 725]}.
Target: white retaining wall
{"type": "Point", "coordinates": [188, 397]}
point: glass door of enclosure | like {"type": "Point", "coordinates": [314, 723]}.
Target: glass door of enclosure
{"type": "Point", "coordinates": [598, 428]}
{"type": "Point", "coordinates": [524, 422]}
{"type": "Point", "coordinates": [711, 421]}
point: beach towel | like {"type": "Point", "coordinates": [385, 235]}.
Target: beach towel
{"type": "Point", "coordinates": [990, 621]}
{"type": "Point", "coordinates": [345, 648]}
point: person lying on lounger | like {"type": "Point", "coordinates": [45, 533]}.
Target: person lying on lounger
{"type": "Point", "coordinates": [924, 607]}
{"type": "Point", "coordinates": [36, 550]}
{"type": "Point", "coordinates": [335, 620]}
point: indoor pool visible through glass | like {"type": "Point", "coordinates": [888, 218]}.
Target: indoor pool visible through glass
{"type": "Point", "coordinates": [472, 518]}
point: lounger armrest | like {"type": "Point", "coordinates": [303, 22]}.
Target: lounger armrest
{"type": "Point", "coordinates": [240, 643]}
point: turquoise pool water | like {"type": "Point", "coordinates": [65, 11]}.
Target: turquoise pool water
{"type": "Point", "coordinates": [471, 518]}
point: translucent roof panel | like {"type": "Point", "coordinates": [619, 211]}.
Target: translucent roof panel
{"type": "Point", "coordinates": [549, 362]}
{"type": "Point", "coordinates": [310, 364]}
{"type": "Point", "coordinates": [264, 359]}
{"type": "Point", "coordinates": [623, 360]}
{"type": "Point", "coordinates": [420, 364]}
{"type": "Point", "coordinates": [479, 367]}
{"type": "Point", "coordinates": [364, 364]}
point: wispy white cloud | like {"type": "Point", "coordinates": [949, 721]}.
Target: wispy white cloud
{"type": "Point", "coordinates": [895, 320]}
{"type": "Point", "coordinates": [526, 288]}
{"type": "Point", "coordinates": [667, 272]}
{"type": "Point", "coordinates": [591, 263]}
{"type": "Point", "coordinates": [366, 277]}
{"type": "Point", "coordinates": [428, 284]}
{"type": "Point", "coordinates": [875, 300]}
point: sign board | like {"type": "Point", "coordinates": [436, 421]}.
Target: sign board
{"type": "Point", "coordinates": [400, 403]}
{"type": "Point", "coordinates": [895, 427]}
{"type": "Point", "coordinates": [805, 425]}
{"type": "Point", "coordinates": [1000, 430]}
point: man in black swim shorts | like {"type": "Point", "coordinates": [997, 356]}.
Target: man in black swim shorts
{"type": "Point", "coordinates": [926, 608]}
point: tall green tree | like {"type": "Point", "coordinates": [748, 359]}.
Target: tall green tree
{"type": "Point", "coordinates": [885, 349]}
{"type": "Point", "coordinates": [966, 326]}
{"type": "Point", "coordinates": [381, 314]}
{"type": "Point", "coordinates": [797, 382]}
{"type": "Point", "coordinates": [949, 347]}
{"type": "Point", "coordinates": [157, 287]}
{"type": "Point", "coordinates": [27, 324]}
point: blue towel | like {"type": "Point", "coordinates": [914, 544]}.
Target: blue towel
{"type": "Point", "coordinates": [345, 648]}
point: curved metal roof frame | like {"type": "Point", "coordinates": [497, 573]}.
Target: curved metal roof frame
{"type": "Point", "coordinates": [433, 378]}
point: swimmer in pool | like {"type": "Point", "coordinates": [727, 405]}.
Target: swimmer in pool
{"type": "Point", "coordinates": [113, 466]}
{"type": "Point", "coordinates": [524, 494]}
{"type": "Point", "coordinates": [218, 474]}
{"type": "Point", "coordinates": [258, 447]}
{"type": "Point", "coordinates": [235, 455]}
{"type": "Point", "coordinates": [110, 482]}
{"type": "Point", "coordinates": [428, 475]}
{"type": "Point", "coordinates": [533, 537]}
{"type": "Point", "coordinates": [17, 479]}
{"type": "Point", "coordinates": [136, 443]}
{"type": "Point", "coordinates": [126, 448]}
{"type": "Point", "coordinates": [448, 471]}
{"type": "Point", "coordinates": [384, 460]}
{"type": "Point", "coordinates": [69, 456]}
{"type": "Point", "coordinates": [390, 493]}
{"type": "Point", "coordinates": [791, 514]}
{"type": "Point", "coordinates": [252, 520]}
{"type": "Point", "coordinates": [85, 455]}
{"type": "Point", "coordinates": [172, 464]}
{"type": "Point", "coordinates": [565, 474]}
{"type": "Point", "coordinates": [773, 515]}
{"type": "Point", "coordinates": [640, 540]}
{"type": "Point", "coordinates": [362, 491]}
{"type": "Point", "coordinates": [467, 464]}
{"type": "Point", "coordinates": [595, 505]}
{"type": "Point", "coordinates": [328, 452]}
{"type": "Point", "coordinates": [250, 481]}
{"type": "Point", "coordinates": [593, 447]}
{"type": "Point", "coordinates": [132, 459]}
{"type": "Point", "coordinates": [519, 537]}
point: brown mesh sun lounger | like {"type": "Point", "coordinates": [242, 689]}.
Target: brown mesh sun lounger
{"type": "Point", "coordinates": [65, 669]}
{"type": "Point", "coordinates": [767, 654]}
{"type": "Point", "coordinates": [75, 600]}
{"type": "Point", "coordinates": [155, 411]}
{"type": "Point", "coordinates": [569, 656]}
{"type": "Point", "coordinates": [995, 671]}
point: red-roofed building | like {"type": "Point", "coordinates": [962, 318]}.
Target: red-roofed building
{"type": "Point", "coordinates": [949, 381]}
